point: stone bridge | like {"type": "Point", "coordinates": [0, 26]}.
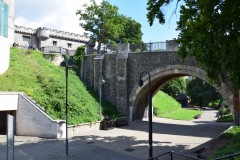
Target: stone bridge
{"type": "Point", "coordinates": [121, 73]}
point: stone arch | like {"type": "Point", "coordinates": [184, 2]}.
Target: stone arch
{"type": "Point", "coordinates": [138, 99]}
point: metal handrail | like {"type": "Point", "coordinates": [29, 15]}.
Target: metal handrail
{"type": "Point", "coordinates": [171, 156]}
{"type": "Point", "coordinates": [228, 156]}
{"type": "Point", "coordinates": [187, 156]}
{"type": "Point", "coordinates": [159, 155]}
{"type": "Point", "coordinates": [56, 49]}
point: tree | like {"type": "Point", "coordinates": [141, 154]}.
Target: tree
{"type": "Point", "coordinates": [78, 58]}
{"type": "Point", "coordinates": [131, 30]}
{"type": "Point", "coordinates": [201, 93]}
{"type": "Point", "coordinates": [174, 87]}
{"type": "Point", "coordinates": [106, 24]}
{"type": "Point", "coordinates": [209, 31]}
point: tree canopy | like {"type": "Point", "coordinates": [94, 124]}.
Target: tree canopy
{"type": "Point", "coordinates": [105, 24]}
{"type": "Point", "coordinates": [175, 87]}
{"type": "Point", "coordinates": [209, 31]}
{"type": "Point", "coordinates": [201, 93]}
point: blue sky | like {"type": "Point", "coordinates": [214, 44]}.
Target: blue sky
{"type": "Point", "coordinates": [137, 10]}
{"type": "Point", "coordinates": [61, 15]}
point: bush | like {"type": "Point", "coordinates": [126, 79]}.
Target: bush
{"type": "Point", "coordinates": [78, 57]}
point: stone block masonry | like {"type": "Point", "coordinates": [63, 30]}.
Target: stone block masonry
{"type": "Point", "coordinates": [121, 73]}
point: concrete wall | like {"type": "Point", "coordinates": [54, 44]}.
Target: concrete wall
{"type": "Point", "coordinates": [44, 37]}
{"type": "Point", "coordinates": [5, 54]}
{"type": "Point", "coordinates": [61, 43]}
{"type": "Point", "coordinates": [6, 41]}
{"type": "Point", "coordinates": [8, 102]}
{"type": "Point", "coordinates": [32, 121]}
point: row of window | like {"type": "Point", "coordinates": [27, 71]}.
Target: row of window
{"type": "Point", "coordinates": [3, 19]}
{"type": "Point", "coordinates": [54, 43]}
{"type": "Point", "coordinates": [69, 44]}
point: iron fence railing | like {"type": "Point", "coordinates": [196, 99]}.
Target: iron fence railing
{"type": "Point", "coordinates": [177, 156]}
{"type": "Point", "coordinates": [173, 156]}
{"type": "Point", "coordinates": [136, 47]}
{"type": "Point", "coordinates": [55, 49]}
{"type": "Point", "coordinates": [228, 156]}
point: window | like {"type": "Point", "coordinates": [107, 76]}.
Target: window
{"type": "Point", "coordinates": [69, 45]}
{"type": "Point", "coordinates": [3, 19]}
{"type": "Point", "coordinates": [27, 39]}
{"type": "Point", "coordinates": [54, 43]}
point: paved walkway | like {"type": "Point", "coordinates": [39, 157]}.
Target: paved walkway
{"type": "Point", "coordinates": [126, 143]}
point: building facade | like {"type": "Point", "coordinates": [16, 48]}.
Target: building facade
{"type": "Point", "coordinates": [46, 37]}
{"type": "Point", "coordinates": [6, 32]}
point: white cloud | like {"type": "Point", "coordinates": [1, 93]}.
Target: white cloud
{"type": "Point", "coordinates": [56, 14]}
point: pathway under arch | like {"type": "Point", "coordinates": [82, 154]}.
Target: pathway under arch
{"type": "Point", "coordinates": [162, 75]}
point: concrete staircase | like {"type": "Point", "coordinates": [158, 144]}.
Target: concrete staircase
{"type": "Point", "coordinates": [31, 120]}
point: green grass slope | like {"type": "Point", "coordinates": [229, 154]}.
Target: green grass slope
{"type": "Point", "coordinates": [163, 104]}
{"type": "Point", "coordinates": [45, 83]}
{"type": "Point", "coordinates": [233, 135]}
{"type": "Point", "coordinates": [167, 107]}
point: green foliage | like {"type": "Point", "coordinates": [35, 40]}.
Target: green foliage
{"type": "Point", "coordinates": [131, 30]}
{"type": "Point", "coordinates": [45, 83]}
{"type": "Point", "coordinates": [105, 24]}
{"type": "Point", "coordinates": [209, 31]}
{"type": "Point", "coordinates": [78, 57]}
{"type": "Point", "coordinates": [174, 87]}
{"type": "Point", "coordinates": [225, 118]}
{"type": "Point", "coordinates": [214, 104]}
{"type": "Point", "coordinates": [223, 110]}
{"type": "Point", "coordinates": [201, 93]}
{"type": "Point", "coordinates": [163, 103]}
{"type": "Point", "coordinates": [232, 134]}
{"type": "Point", "coordinates": [182, 114]}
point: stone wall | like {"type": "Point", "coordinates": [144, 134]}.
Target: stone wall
{"type": "Point", "coordinates": [121, 72]}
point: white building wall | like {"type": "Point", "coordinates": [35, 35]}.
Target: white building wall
{"type": "Point", "coordinates": [6, 41]}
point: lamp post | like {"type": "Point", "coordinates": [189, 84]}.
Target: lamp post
{"type": "Point", "coordinates": [101, 82]}
{"type": "Point", "coordinates": [68, 64]}
{"type": "Point", "coordinates": [149, 111]}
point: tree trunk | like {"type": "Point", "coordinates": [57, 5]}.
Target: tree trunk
{"type": "Point", "coordinates": [99, 47]}
{"type": "Point", "coordinates": [236, 107]}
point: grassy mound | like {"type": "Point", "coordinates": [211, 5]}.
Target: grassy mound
{"type": "Point", "coordinates": [233, 134]}
{"type": "Point", "coordinates": [163, 104]}
{"type": "Point", "coordinates": [45, 83]}
{"type": "Point", "coordinates": [167, 107]}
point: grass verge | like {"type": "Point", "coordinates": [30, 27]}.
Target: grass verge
{"type": "Point", "coordinates": [167, 107]}
{"type": "Point", "coordinates": [182, 114]}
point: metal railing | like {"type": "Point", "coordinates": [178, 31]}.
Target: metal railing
{"type": "Point", "coordinates": [228, 156]}
{"type": "Point", "coordinates": [59, 50]}
{"type": "Point", "coordinates": [148, 47]}
{"type": "Point", "coordinates": [175, 155]}
{"type": "Point", "coordinates": [137, 47]}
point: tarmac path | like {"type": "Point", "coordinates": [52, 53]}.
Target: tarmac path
{"type": "Point", "coordinates": [125, 143]}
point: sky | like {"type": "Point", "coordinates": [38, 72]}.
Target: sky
{"type": "Point", "coordinates": [61, 15]}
